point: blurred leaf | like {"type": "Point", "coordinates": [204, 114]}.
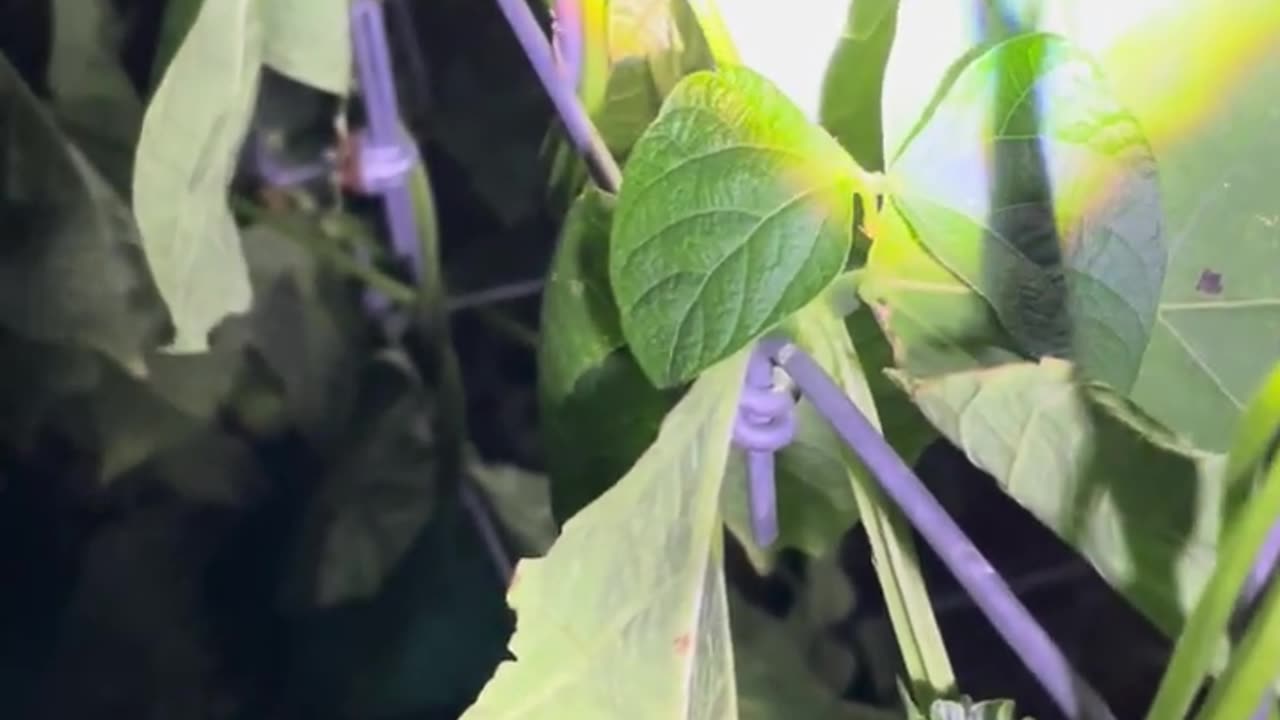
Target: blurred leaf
{"type": "Point", "coordinates": [1032, 233]}
{"type": "Point", "coordinates": [93, 99]}
{"type": "Point", "coordinates": [70, 271]}
{"type": "Point", "coordinates": [522, 501]}
{"type": "Point", "coordinates": [968, 709]}
{"type": "Point", "coordinates": [424, 645]}
{"type": "Point", "coordinates": [585, 374]}
{"type": "Point", "coordinates": [310, 41]}
{"type": "Point", "coordinates": [654, 640]}
{"type": "Point", "coordinates": [773, 658]}
{"type": "Point", "coordinates": [376, 497]}
{"type": "Point", "coordinates": [727, 177]}
{"type": "Point", "coordinates": [853, 82]}
{"type": "Point", "coordinates": [186, 158]}
{"type": "Point", "coordinates": [1142, 506]}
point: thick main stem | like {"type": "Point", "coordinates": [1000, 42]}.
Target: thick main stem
{"type": "Point", "coordinates": [577, 123]}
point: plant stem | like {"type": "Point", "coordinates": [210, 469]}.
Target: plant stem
{"type": "Point", "coordinates": [991, 594]}
{"type": "Point", "coordinates": [577, 123]}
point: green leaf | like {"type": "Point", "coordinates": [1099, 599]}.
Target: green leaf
{"type": "Point", "coordinates": [653, 641]}
{"type": "Point", "coordinates": [1142, 506]}
{"type": "Point", "coordinates": [734, 213]}
{"type": "Point", "coordinates": [1220, 311]}
{"type": "Point", "coordinates": [93, 99]}
{"type": "Point", "coordinates": [934, 323]}
{"type": "Point", "coordinates": [1252, 672]}
{"type": "Point", "coordinates": [71, 272]}
{"type": "Point", "coordinates": [186, 158]}
{"type": "Point", "coordinates": [1057, 222]}
{"type": "Point", "coordinates": [585, 374]}
{"type": "Point", "coordinates": [1033, 126]}
{"type": "Point", "coordinates": [310, 41]}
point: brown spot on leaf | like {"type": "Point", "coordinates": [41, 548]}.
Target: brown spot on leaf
{"type": "Point", "coordinates": [683, 643]}
{"type": "Point", "coordinates": [1210, 282]}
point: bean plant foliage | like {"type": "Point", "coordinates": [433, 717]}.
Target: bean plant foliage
{"type": "Point", "coordinates": [1001, 250]}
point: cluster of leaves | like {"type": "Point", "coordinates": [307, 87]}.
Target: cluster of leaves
{"type": "Point", "coordinates": [1018, 273]}
{"type": "Point", "coordinates": [1013, 263]}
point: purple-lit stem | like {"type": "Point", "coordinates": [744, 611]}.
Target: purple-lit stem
{"type": "Point", "coordinates": [1260, 577]}
{"type": "Point", "coordinates": [990, 593]}
{"type": "Point", "coordinates": [377, 85]}
{"type": "Point", "coordinates": [567, 41]}
{"type": "Point", "coordinates": [600, 163]}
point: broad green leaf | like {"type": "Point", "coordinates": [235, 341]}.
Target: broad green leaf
{"type": "Point", "coordinates": [652, 638]}
{"type": "Point", "coordinates": [186, 157]}
{"type": "Point", "coordinates": [585, 372]}
{"type": "Point", "coordinates": [70, 272]}
{"type": "Point", "coordinates": [1034, 186]}
{"type": "Point", "coordinates": [1142, 506]}
{"type": "Point", "coordinates": [309, 41]}
{"type": "Point", "coordinates": [734, 213]}
{"type": "Point", "coordinates": [1253, 483]}
{"type": "Point", "coordinates": [93, 99]}
{"type": "Point", "coordinates": [1219, 317]}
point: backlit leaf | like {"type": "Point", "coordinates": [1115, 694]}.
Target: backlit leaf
{"type": "Point", "coordinates": [651, 640]}
{"type": "Point", "coordinates": [310, 41]}
{"type": "Point", "coordinates": [734, 213]}
{"type": "Point", "coordinates": [1218, 329]}
{"type": "Point", "coordinates": [1143, 507]}
{"type": "Point", "coordinates": [186, 157]}
{"type": "Point", "coordinates": [1030, 183]}
{"type": "Point", "coordinates": [933, 321]}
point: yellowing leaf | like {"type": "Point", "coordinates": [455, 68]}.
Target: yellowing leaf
{"type": "Point", "coordinates": [186, 157]}
{"type": "Point", "coordinates": [627, 616]}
